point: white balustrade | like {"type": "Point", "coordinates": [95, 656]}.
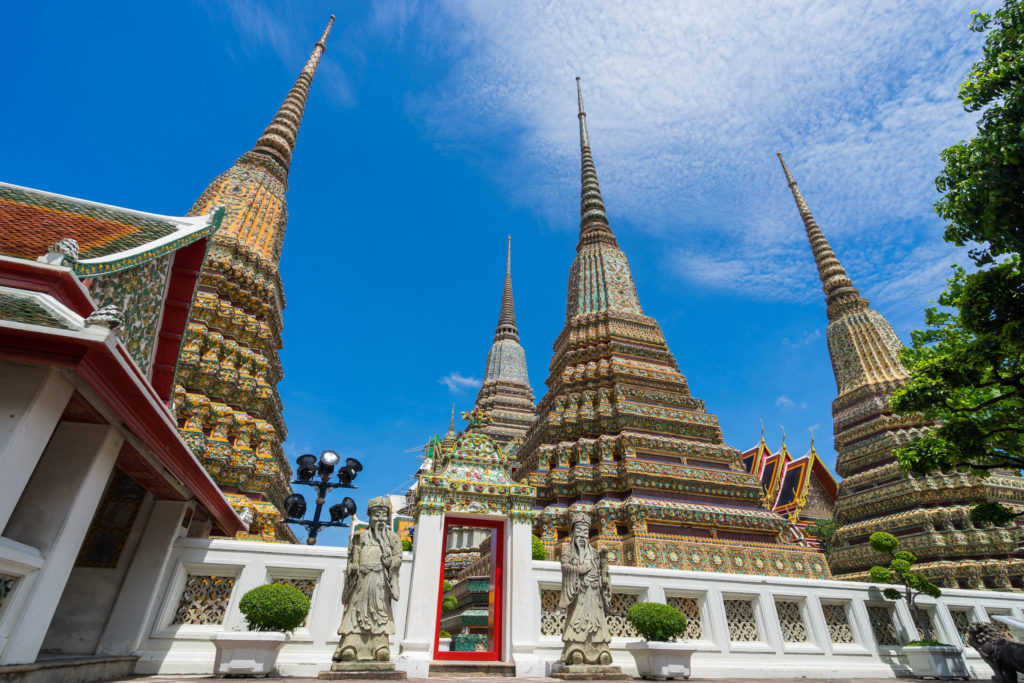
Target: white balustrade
{"type": "Point", "coordinates": [741, 625]}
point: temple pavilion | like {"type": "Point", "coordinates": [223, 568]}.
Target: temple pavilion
{"type": "Point", "coordinates": [930, 515]}
{"type": "Point", "coordinates": [620, 436]}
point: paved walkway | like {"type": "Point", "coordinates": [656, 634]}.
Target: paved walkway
{"type": "Point", "coordinates": [193, 679]}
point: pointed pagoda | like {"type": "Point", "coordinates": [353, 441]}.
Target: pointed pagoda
{"type": "Point", "coordinates": [619, 436]}
{"type": "Point", "coordinates": [505, 393]}
{"type": "Point", "coordinates": [930, 515]}
{"type": "Point", "coordinates": [225, 387]}
{"type": "Point", "coordinates": [450, 436]}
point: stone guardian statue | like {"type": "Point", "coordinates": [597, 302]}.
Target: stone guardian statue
{"type": "Point", "coordinates": [371, 586]}
{"type": "Point", "coordinates": [586, 597]}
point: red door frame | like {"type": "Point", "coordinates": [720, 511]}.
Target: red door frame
{"type": "Point", "coordinates": [493, 655]}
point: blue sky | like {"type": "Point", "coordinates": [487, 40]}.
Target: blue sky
{"type": "Point", "coordinates": [435, 129]}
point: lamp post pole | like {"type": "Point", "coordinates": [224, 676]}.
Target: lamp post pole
{"type": "Point", "coordinates": [295, 504]}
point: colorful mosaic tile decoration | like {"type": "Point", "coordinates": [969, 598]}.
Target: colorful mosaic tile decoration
{"type": "Point", "coordinates": [928, 514]}
{"type": "Point", "coordinates": [109, 238]}
{"type": "Point", "coordinates": [473, 477]}
{"type": "Point", "coordinates": [123, 256]}
{"type": "Point", "coordinates": [619, 436]}
{"type": "Point", "coordinates": [225, 393]}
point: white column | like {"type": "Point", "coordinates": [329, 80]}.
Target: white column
{"type": "Point", "coordinates": [522, 607]}
{"type": "Point", "coordinates": [418, 644]}
{"type": "Point", "coordinates": [31, 403]}
{"type": "Point", "coordinates": [138, 596]}
{"type": "Point", "coordinates": [54, 515]}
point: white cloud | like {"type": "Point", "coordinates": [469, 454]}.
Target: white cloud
{"type": "Point", "coordinates": [785, 402]}
{"type": "Point", "coordinates": [686, 109]}
{"type": "Point", "coordinates": [456, 383]}
{"type": "Point", "coordinates": [806, 339]}
{"type": "Point", "coordinates": [291, 31]}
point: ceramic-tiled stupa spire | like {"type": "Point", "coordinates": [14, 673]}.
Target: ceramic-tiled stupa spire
{"type": "Point", "coordinates": [505, 393]}
{"type": "Point", "coordinates": [928, 514]}
{"type": "Point", "coordinates": [450, 436]}
{"type": "Point", "coordinates": [225, 392]}
{"type": "Point", "coordinates": [618, 434]}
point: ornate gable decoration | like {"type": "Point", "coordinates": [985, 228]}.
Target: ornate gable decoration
{"type": "Point", "coordinates": [474, 478]}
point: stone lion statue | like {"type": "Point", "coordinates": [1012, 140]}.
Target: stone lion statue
{"type": "Point", "coordinates": [1006, 657]}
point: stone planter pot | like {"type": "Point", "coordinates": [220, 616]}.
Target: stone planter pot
{"type": "Point", "coordinates": [661, 660]}
{"type": "Point", "coordinates": [936, 661]}
{"type": "Point", "coordinates": [247, 653]}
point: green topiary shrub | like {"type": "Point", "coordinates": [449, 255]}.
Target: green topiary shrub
{"type": "Point", "coordinates": [446, 586]}
{"type": "Point", "coordinates": [449, 603]}
{"type": "Point", "coordinates": [657, 622]}
{"type": "Point", "coordinates": [444, 634]}
{"type": "Point", "coordinates": [274, 607]}
{"type": "Point", "coordinates": [539, 553]}
{"type": "Point", "coordinates": [900, 572]}
{"type": "Point", "coordinates": [406, 544]}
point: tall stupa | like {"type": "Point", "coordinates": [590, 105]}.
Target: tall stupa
{"type": "Point", "coordinates": [505, 393]}
{"type": "Point", "coordinates": [619, 436]}
{"type": "Point", "coordinates": [225, 389]}
{"type": "Point", "coordinates": [930, 515]}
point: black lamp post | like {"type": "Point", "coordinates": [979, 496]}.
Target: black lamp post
{"type": "Point", "coordinates": [308, 467]}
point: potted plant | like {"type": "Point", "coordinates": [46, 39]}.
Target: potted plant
{"type": "Point", "coordinates": [271, 612]}
{"type": "Point", "coordinates": [927, 658]}
{"type": "Point", "coordinates": [659, 655]}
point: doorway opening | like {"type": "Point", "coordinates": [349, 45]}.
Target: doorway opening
{"type": "Point", "coordinates": [469, 608]}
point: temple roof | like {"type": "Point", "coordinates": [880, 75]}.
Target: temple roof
{"type": "Point", "coordinates": [49, 319]}
{"type": "Point", "coordinates": [110, 238]}
{"type": "Point", "coordinates": [786, 479]}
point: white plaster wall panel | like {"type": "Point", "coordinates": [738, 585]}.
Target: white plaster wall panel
{"type": "Point", "coordinates": [31, 403]}
{"type": "Point", "coordinates": [89, 597]}
{"type": "Point", "coordinates": [139, 595]}
{"type": "Point", "coordinates": [54, 515]}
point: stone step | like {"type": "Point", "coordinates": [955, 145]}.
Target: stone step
{"type": "Point", "coordinates": [471, 669]}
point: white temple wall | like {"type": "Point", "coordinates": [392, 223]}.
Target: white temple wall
{"type": "Point", "coordinates": [145, 577]}
{"type": "Point", "coordinates": [205, 578]}
{"type": "Point", "coordinates": [89, 597]}
{"type": "Point", "coordinates": [51, 519]}
{"type": "Point", "coordinates": [749, 626]}
{"type": "Point", "coordinates": [31, 403]}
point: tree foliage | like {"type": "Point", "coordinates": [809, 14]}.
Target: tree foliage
{"type": "Point", "coordinates": [824, 530]}
{"type": "Point", "coordinates": [900, 571]}
{"type": "Point", "coordinates": [538, 550]}
{"type": "Point", "coordinates": [967, 367]}
{"type": "Point", "coordinates": [982, 181]}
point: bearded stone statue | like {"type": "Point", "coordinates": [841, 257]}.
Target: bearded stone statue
{"type": "Point", "coordinates": [371, 586]}
{"type": "Point", "coordinates": [586, 597]}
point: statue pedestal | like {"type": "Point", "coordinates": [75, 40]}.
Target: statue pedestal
{"type": "Point", "coordinates": [364, 671]}
{"type": "Point", "coordinates": [590, 672]}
